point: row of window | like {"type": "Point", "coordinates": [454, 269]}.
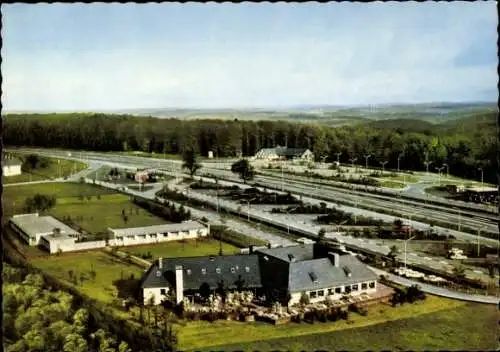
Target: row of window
{"type": "Point", "coordinates": [337, 290]}
{"type": "Point", "coordinates": [218, 270]}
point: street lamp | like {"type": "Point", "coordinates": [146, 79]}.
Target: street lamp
{"type": "Point", "coordinates": [248, 212]}
{"type": "Point", "coordinates": [288, 223]}
{"type": "Point", "coordinates": [340, 224]}
{"type": "Point", "coordinates": [399, 157]}
{"type": "Point", "coordinates": [353, 160]}
{"type": "Point", "coordinates": [427, 163]}
{"type": "Point", "coordinates": [439, 174]}
{"type": "Point", "coordinates": [367, 156]}
{"type": "Point", "coordinates": [338, 157]}
{"type": "Point", "coordinates": [405, 246]}
{"type": "Point", "coordinates": [383, 165]}
{"type": "Point", "coordinates": [447, 170]}
{"type": "Point", "coordinates": [282, 177]}
{"type": "Point", "coordinates": [478, 235]}
{"type": "Point", "coordinates": [482, 175]}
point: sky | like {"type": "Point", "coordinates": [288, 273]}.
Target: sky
{"type": "Point", "coordinates": [90, 57]}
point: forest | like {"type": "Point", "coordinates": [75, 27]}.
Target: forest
{"type": "Point", "coordinates": [464, 144]}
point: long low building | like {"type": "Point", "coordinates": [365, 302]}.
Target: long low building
{"type": "Point", "coordinates": [159, 233]}
{"type": "Point", "coordinates": [285, 274]}
{"type": "Point", "coordinates": [32, 227]}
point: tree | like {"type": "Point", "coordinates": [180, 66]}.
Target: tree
{"type": "Point", "coordinates": [75, 343]}
{"type": "Point", "coordinates": [321, 235]}
{"type": "Point", "coordinates": [190, 162]}
{"type": "Point", "coordinates": [205, 291]}
{"type": "Point", "coordinates": [304, 299]}
{"type": "Point", "coordinates": [393, 252]}
{"type": "Point", "coordinates": [243, 169]}
{"type": "Point", "coordinates": [222, 290]}
{"type": "Point", "coordinates": [414, 293]}
{"type": "Point", "coordinates": [240, 283]}
{"type": "Point", "coordinates": [459, 271]}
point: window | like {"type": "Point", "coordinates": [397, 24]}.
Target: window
{"type": "Point", "coordinates": [330, 291]}
{"type": "Point", "coordinates": [163, 291]}
{"type": "Point", "coordinates": [348, 289]}
{"type": "Point", "coordinates": [355, 287]}
{"type": "Point", "coordinates": [371, 284]}
{"type": "Point", "coordinates": [321, 293]}
{"type": "Point", "coordinates": [312, 294]}
{"type": "Point", "coordinates": [203, 271]}
{"type": "Point", "coordinates": [364, 286]}
{"type": "Point", "coordinates": [338, 289]}
{"type": "Point", "coordinates": [232, 270]}
{"type": "Point", "coordinates": [188, 271]}
{"type": "Point", "coordinates": [247, 269]}
{"type": "Point", "coordinates": [158, 273]}
{"type": "Point", "coordinates": [217, 270]}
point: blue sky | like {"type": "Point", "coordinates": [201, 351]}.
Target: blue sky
{"type": "Point", "coordinates": [125, 56]}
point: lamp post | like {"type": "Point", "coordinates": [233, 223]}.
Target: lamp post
{"type": "Point", "coordinates": [338, 157]}
{"type": "Point", "coordinates": [248, 211]}
{"type": "Point", "coordinates": [482, 175]}
{"type": "Point", "coordinates": [439, 174]}
{"type": "Point", "coordinates": [405, 247]}
{"type": "Point", "coordinates": [282, 177]}
{"type": "Point", "coordinates": [447, 170]}
{"type": "Point", "coordinates": [478, 244]}
{"type": "Point", "coordinates": [367, 156]}
{"type": "Point", "coordinates": [288, 223]}
{"type": "Point", "coordinates": [399, 157]}
{"type": "Point", "coordinates": [340, 224]}
{"type": "Point", "coordinates": [353, 160]}
{"type": "Point", "coordinates": [427, 164]}
{"type": "Point", "coordinates": [383, 166]}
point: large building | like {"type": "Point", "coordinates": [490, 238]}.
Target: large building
{"type": "Point", "coordinates": [284, 274]}
{"type": "Point", "coordinates": [32, 227]}
{"type": "Point", "coordinates": [158, 233]}
{"type": "Point", "coordinates": [11, 166]}
{"type": "Point", "coordinates": [280, 153]}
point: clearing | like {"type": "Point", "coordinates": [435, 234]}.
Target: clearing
{"type": "Point", "coordinates": [53, 170]}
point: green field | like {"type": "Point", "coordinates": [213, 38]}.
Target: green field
{"type": "Point", "coordinates": [401, 178]}
{"type": "Point", "coordinates": [54, 170]}
{"type": "Point", "coordinates": [201, 334]}
{"type": "Point", "coordinates": [391, 184]}
{"type": "Point", "coordinates": [14, 196]}
{"type": "Point", "coordinates": [96, 214]}
{"type": "Point", "coordinates": [469, 327]}
{"type": "Point", "coordinates": [191, 248]}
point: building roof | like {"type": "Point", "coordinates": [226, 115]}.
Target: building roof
{"type": "Point", "coordinates": [210, 270]}
{"type": "Point", "coordinates": [33, 224]}
{"type": "Point", "coordinates": [321, 273]}
{"type": "Point", "coordinates": [11, 162]}
{"type": "Point", "coordinates": [57, 238]}
{"type": "Point", "coordinates": [290, 253]}
{"type": "Point", "coordinates": [146, 230]}
{"type": "Point", "coordinates": [281, 151]}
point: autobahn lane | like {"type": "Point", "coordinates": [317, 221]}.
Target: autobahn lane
{"type": "Point", "coordinates": [433, 213]}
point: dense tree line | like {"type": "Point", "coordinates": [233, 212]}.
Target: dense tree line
{"type": "Point", "coordinates": [37, 318]}
{"type": "Point", "coordinates": [464, 145]}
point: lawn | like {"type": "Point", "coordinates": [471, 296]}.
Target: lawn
{"type": "Point", "coordinates": [469, 327]}
{"type": "Point", "coordinates": [14, 196]}
{"type": "Point", "coordinates": [107, 268]}
{"type": "Point", "coordinates": [400, 177]}
{"type": "Point", "coordinates": [96, 215]}
{"type": "Point", "coordinates": [54, 170]}
{"type": "Point", "coordinates": [201, 334]}
{"type": "Point", "coordinates": [191, 248]}
{"type": "Point", "coordinates": [391, 184]}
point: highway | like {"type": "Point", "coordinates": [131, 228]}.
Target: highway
{"type": "Point", "coordinates": [471, 219]}
{"type": "Point", "coordinates": [283, 221]}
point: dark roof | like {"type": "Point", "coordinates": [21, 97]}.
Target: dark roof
{"type": "Point", "coordinates": [210, 270]}
{"type": "Point", "coordinates": [321, 273]}
{"type": "Point", "coordinates": [290, 253]}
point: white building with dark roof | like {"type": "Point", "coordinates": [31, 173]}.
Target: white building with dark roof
{"type": "Point", "coordinates": [279, 152]}
{"type": "Point", "coordinates": [281, 273]}
{"type": "Point", "coordinates": [158, 233]}
{"type": "Point", "coordinates": [11, 166]}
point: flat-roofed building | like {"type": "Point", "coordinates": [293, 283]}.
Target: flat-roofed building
{"type": "Point", "coordinates": [11, 166]}
{"type": "Point", "coordinates": [158, 233]}
{"type": "Point", "coordinates": [31, 227]}
{"type": "Point", "coordinates": [58, 243]}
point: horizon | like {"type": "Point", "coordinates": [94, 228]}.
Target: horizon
{"type": "Point", "coordinates": [123, 57]}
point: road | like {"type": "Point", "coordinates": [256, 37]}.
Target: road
{"type": "Point", "coordinates": [438, 291]}
{"type": "Point", "coordinates": [287, 222]}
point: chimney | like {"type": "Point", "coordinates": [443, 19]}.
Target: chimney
{"type": "Point", "coordinates": [334, 258]}
{"type": "Point", "coordinates": [179, 284]}
{"type": "Point", "coordinates": [160, 263]}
